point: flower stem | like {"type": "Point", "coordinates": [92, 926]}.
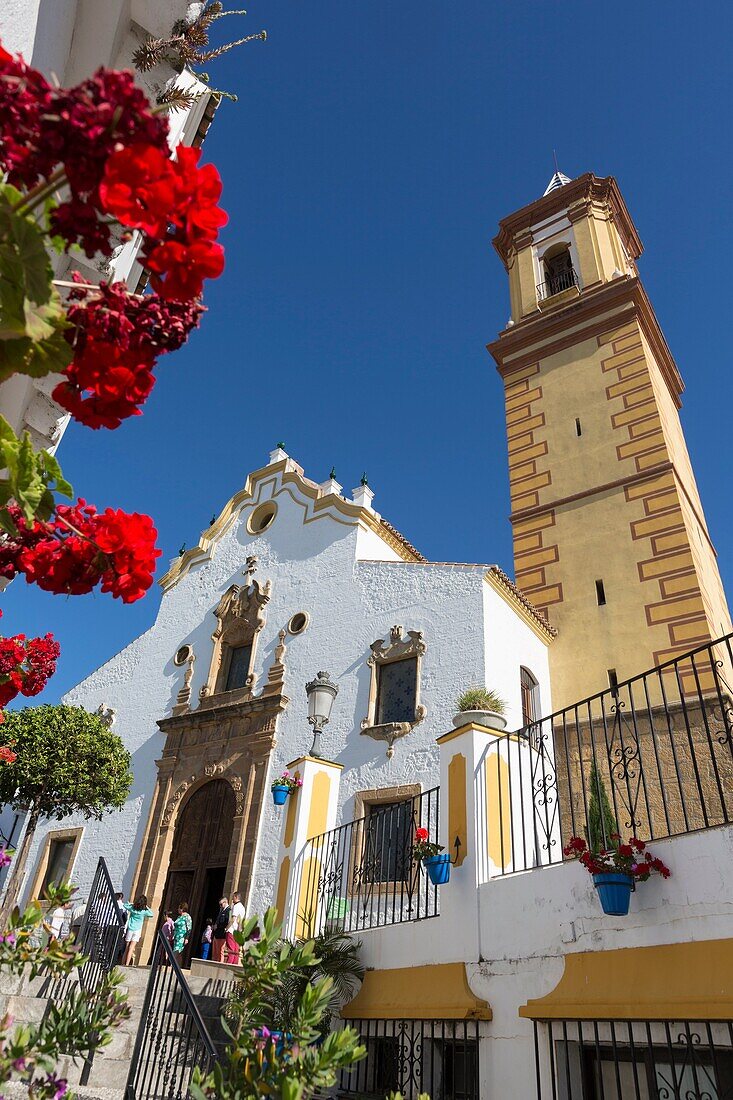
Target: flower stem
{"type": "Point", "coordinates": [40, 192]}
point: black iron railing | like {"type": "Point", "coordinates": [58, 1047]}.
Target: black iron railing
{"type": "Point", "coordinates": [437, 1057]}
{"type": "Point", "coordinates": [555, 284]}
{"type": "Point", "coordinates": [362, 874]}
{"type": "Point", "coordinates": [172, 1039]}
{"type": "Point", "coordinates": [650, 757]}
{"type": "Point", "coordinates": [100, 934]}
{"type": "Point", "coordinates": [634, 1060]}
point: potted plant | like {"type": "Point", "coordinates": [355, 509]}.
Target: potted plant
{"type": "Point", "coordinates": [616, 870]}
{"type": "Point", "coordinates": [283, 786]}
{"type": "Point", "coordinates": [435, 861]}
{"type": "Point", "coordinates": [482, 706]}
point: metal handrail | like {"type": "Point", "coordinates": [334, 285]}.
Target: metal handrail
{"type": "Point", "coordinates": [555, 284]}
{"type": "Point", "coordinates": [362, 874]}
{"type": "Point", "coordinates": [651, 756]}
{"type": "Point", "coordinates": [172, 1038]}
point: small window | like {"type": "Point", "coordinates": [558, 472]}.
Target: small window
{"type": "Point", "coordinates": [460, 1069]}
{"type": "Point", "coordinates": [386, 1053]}
{"type": "Point", "coordinates": [558, 270]}
{"type": "Point", "coordinates": [530, 697]}
{"type": "Point", "coordinates": [58, 866]}
{"type": "Point", "coordinates": [387, 855]}
{"type": "Point", "coordinates": [238, 671]}
{"type": "Point", "coordinates": [396, 691]}
{"type": "Point", "coordinates": [600, 594]}
{"type": "Point", "coordinates": [298, 622]}
{"type": "Point", "coordinates": [578, 429]}
{"type": "Point", "coordinates": [262, 518]}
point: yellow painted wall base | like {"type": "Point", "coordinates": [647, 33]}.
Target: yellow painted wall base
{"type": "Point", "coordinates": [677, 981]}
{"type": "Point", "coordinates": [439, 992]}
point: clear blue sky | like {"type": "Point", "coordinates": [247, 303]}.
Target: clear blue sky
{"type": "Point", "coordinates": [372, 152]}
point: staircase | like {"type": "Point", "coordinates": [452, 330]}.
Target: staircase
{"type": "Point", "coordinates": [27, 1002]}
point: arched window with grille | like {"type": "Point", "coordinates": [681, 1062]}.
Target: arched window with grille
{"type": "Point", "coordinates": [530, 697]}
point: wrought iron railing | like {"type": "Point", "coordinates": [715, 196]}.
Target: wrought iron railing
{"type": "Point", "coordinates": [555, 284]}
{"type": "Point", "coordinates": [362, 875]}
{"type": "Point", "coordinates": [100, 934]}
{"type": "Point", "coordinates": [172, 1039]}
{"type": "Point", "coordinates": [437, 1057]}
{"type": "Point", "coordinates": [99, 941]}
{"type": "Point", "coordinates": [634, 1060]}
{"type": "Point", "coordinates": [650, 757]}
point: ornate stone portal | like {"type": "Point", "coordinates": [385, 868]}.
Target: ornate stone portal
{"type": "Point", "coordinates": [228, 737]}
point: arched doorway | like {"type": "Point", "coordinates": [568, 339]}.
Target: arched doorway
{"type": "Point", "coordinates": [199, 856]}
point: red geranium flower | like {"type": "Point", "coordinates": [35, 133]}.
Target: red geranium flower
{"type": "Point", "coordinates": [179, 270]}
{"type": "Point", "coordinates": [198, 191]}
{"type": "Point", "coordinates": [139, 188]}
{"type": "Point", "coordinates": [421, 834]}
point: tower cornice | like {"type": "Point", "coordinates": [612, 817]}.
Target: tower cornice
{"type": "Point", "coordinates": [579, 194]}
{"type": "Point", "coordinates": [596, 311]}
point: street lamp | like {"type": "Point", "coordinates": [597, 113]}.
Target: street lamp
{"type": "Point", "coordinates": [321, 693]}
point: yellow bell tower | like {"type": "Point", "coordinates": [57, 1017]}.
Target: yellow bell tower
{"type": "Point", "coordinates": [610, 539]}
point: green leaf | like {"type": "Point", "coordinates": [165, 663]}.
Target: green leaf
{"type": "Point", "coordinates": [33, 478]}
{"type": "Point", "coordinates": [23, 356]}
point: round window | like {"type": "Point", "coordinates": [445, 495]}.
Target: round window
{"type": "Point", "coordinates": [182, 655]}
{"type": "Point", "coordinates": [261, 518]}
{"type": "Point", "coordinates": [298, 623]}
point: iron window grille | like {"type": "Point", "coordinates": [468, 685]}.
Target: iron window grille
{"type": "Point", "coordinates": [438, 1057]}
{"type": "Point", "coordinates": [634, 1060]}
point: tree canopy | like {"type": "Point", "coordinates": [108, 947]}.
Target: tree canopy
{"type": "Point", "coordinates": [68, 761]}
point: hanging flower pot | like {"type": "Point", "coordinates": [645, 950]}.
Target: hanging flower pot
{"type": "Point", "coordinates": [280, 793]}
{"type": "Point", "coordinates": [614, 893]}
{"type": "Point", "coordinates": [616, 870]}
{"type": "Point", "coordinates": [283, 786]}
{"type": "Point", "coordinates": [438, 868]}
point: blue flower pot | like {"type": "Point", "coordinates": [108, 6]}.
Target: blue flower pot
{"type": "Point", "coordinates": [438, 868]}
{"type": "Point", "coordinates": [614, 891]}
{"type": "Point", "coordinates": [280, 794]}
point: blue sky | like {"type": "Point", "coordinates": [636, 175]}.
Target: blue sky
{"type": "Point", "coordinates": [372, 152]}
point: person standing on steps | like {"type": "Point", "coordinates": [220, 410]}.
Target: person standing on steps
{"type": "Point", "coordinates": [181, 931]}
{"type": "Point", "coordinates": [137, 914]}
{"type": "Point", "coordinates": [218, 940]}
{"type": "Point", "coordinates": [206, 937]}
{"type": "Point", "coordinates": [235, 923]}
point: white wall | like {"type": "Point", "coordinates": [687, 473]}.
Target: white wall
{"type": "Point", "coordinates": [528, 922]}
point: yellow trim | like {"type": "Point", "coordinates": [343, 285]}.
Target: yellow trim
{"type": "Point", "coordinates": [545, 635]}
{"type": "Point", "coordinates": [438, 992]}
{"type": "Point", "coordinates": [498, 811]}
{"type": "Point", "coordinates": [318, 810]}
{"type": "Point", "coordinates": [457, 816]}
{"type": "Point", "coordinates": [304, 920]}
{"type": "Point", "coordinates": [676, 981]}
{"type": "Point", "coordinates": [281, 897]}
{"type": "Point", "coordinates": [292, 815]}
{"type": "Point", "coordinates": [321, 504]}
{"type": "Point", "coordinates": [314, 760]}
{"type": "Point", "coordinates": [468, 728]}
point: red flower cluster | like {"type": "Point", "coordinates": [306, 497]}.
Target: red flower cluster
{"type": "Point", "coordinates": [631, 858]}
{"type": "Point", "coordinates": [147, 191]}
{"type": "Point", "coordinates": [25, 666]}
{"type": "Point", "coordinates": [7, 756]}
{"type": "Point", "coordinates": [79, 548]}
{"type": "Point", "coordinates": [77, 129]}
{"type": "Point", "coordinates": [117, 337]}
{"type": "Point", "coordinates": [422, 848]}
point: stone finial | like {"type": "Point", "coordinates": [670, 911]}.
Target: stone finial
{"type": "Point", "coordinates": [107, 715]}
{"type": "Point", "coordinates": [330, 485]}
{"type": "Point", "coordinates": [278, 455]}
{"type": "Point", "coordinates": [276, 672]}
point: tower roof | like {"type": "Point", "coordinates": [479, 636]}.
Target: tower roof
{"type": "Point", "coordinates": [559, 179]}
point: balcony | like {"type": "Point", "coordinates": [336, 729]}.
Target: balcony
{"type": "Point", "coordinates": [560, 283]}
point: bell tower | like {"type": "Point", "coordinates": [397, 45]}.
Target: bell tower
{"type": "Point", "coordinates": [610, 539]}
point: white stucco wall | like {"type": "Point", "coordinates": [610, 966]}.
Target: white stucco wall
{"type": "Point", "coordinates": [528, 922]}
{"type": "Point", "coordinates": [311, 558]}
